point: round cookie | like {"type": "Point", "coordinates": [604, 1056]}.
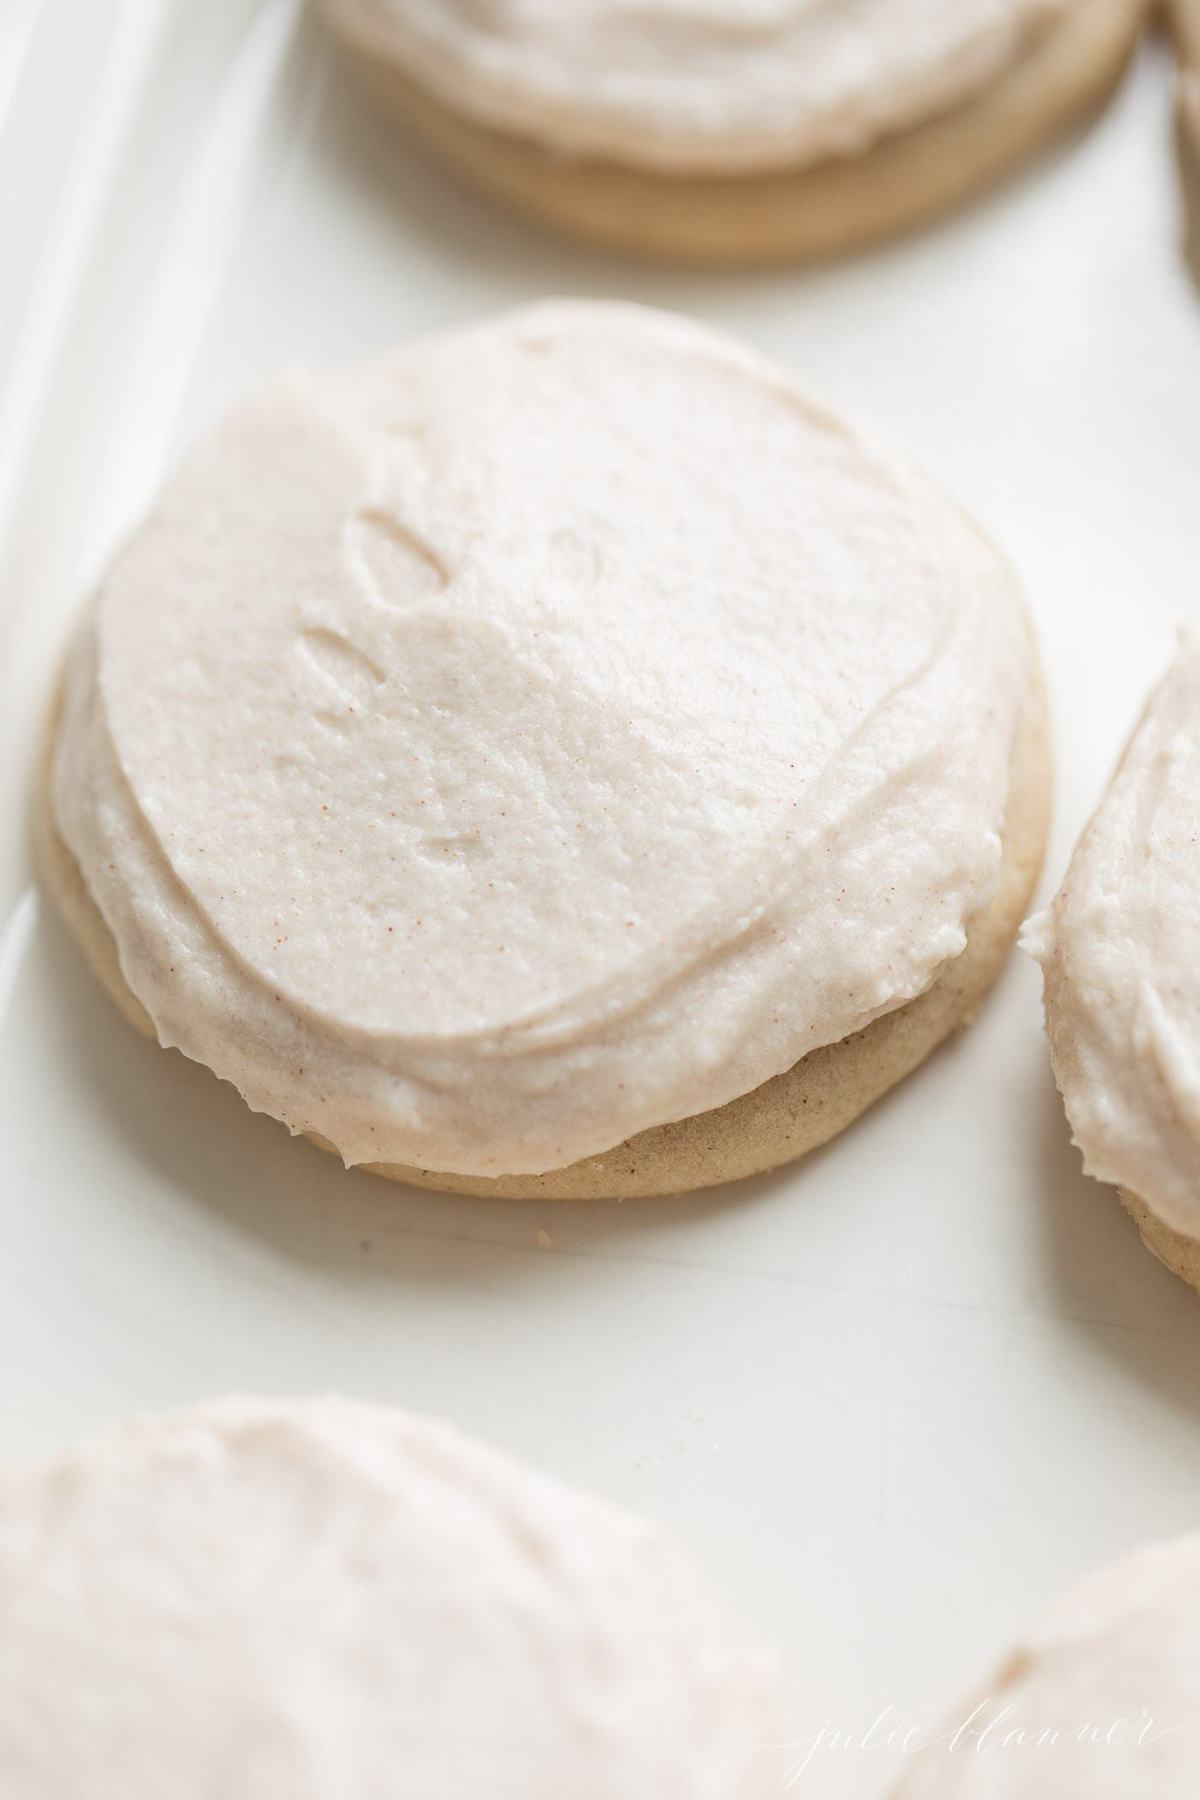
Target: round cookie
{"type": "Point", "coordinates": [873, 188]}
{"type": "Point", "coordinates": [326, 1599]}
{"type": "Point", "coordinates": [1117, 949]}
{"type": "Point", "coordinates": [875, 771]}
{"type": "Point", "coordinates": [1096, 1702]}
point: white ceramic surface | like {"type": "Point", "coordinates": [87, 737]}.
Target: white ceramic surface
{"type": "Point", "coordinates": [892, 1398]}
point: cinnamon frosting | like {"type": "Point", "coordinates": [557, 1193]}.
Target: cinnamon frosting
{"type": "Point", "coordinates": [1097, 1702]}
{"type": "Point", "coordinates": [551, 730]}
{"type": "Point", "coordinates": [332, 1601]}
{"type": "Point", "coordinates": [700, 85]}
{"type": "Point", "coordinates": [1118, 951]}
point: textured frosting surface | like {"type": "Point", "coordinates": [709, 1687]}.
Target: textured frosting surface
{"type": "Point", "coordinates": [556, 729]}
{"type": "Point", "coordinates": [331, 1601]}
{"type": "Point", "coordinates": [1098, 1702]}
{"type": "Point", "coordinates": [1122, 977]}
{"type": "Point", "coordinates": [695, 85]}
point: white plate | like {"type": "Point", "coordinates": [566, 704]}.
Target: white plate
{"type": "Point", "coordinates": [891, 1399]}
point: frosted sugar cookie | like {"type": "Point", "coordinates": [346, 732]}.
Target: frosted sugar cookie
{"type": "Point", "coordinates": [1118, 947]}
{"type": "Point", "coordinates": [334, 1601]}
{"type": "Point", "coordinates": [557, 759]}
{"type": "Point", "coordinates": [721, 131]}
{"type": "Point", "coordinates": [1097, 1702]}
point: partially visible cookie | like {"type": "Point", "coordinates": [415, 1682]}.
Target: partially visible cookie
{"type": "Point", "coordinates": [1184, 16]}
{"type": "Point", "coordinates": [1120, 951]}
{"type": "Point", "coordinates": [711, 137]}
{"type": "Point", "coordinates": [1176, 1250]}
{"type": "Point", "coordinates": [334, 1601]}
{"type": "Point", "coordinates": [1095, 1702]}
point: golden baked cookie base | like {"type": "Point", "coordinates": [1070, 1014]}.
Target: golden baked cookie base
{"type": "Point", "coordinates": [775, 1123]}
{"type": "Point", "coordinates": [786, 215]}
{"type": "Point", "coordinates": [1184, 20]}
{"type": "Point", "coordinates": [1176, 1252]}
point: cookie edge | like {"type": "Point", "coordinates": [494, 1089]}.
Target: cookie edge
{"type": "Point", "coordinates": [773, 1124]}
{"type": "Point", "coordinates": [772, 217]}
{"type": "Point", "coordinates": [1173, 1249]}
